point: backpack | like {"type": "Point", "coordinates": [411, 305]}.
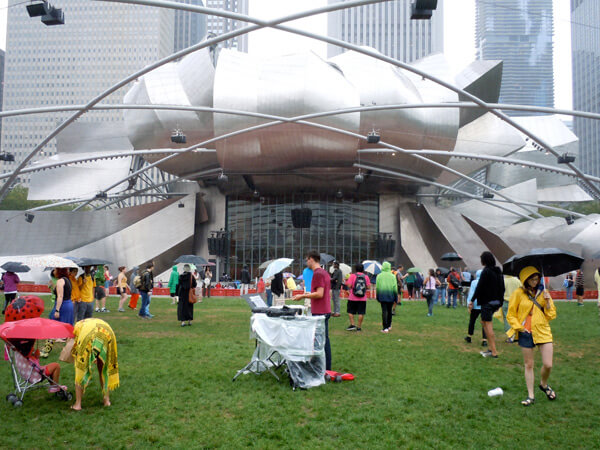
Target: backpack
{"type": "Point", "coordinates": [453, 280]}
{"type": "Point", "coordinates": [137, 281]}
{"type": "Point", "coordinates": [360, 286]}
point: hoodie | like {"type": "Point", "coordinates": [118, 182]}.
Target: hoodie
{"type": "Point", "coordinates": [173, 280]}
{"type": "Point", "coordinates": [386, 285]}
{"type": "Point", "coordinates": [490, 286]}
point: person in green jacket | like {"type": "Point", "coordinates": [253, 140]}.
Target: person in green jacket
{"type": "Point", "coordinates": [100, 292]}
{"type": "Point", "coordinates": [173, 282]}
{"type": "Point", "coordinates": [386, 287]}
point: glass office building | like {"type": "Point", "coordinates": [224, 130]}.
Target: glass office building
{"type": "Point", "coordinates": [261, 229]}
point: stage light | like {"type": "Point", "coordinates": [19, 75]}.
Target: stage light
{"type": "Point", "coordinates": [7, 157]}
{"type": "Point", "coordinates": [339, 193]}
{"type": "Point", "coordinates": [565, 158]}
{"type": "Point", "coordinates": [359, 178]}
{"type": "Point", "coordinates": [373, 137]}
{"type": "Point", "coordinates": [56, 16]}
{"type": "Point", "coordinates": [29, 217]}
{"type": "Point", "coordinates": [178, 137]}
{"type": "Point", "coordinates": [488, 195]}
{"type": "Point", "coordinates": [570, 219]}
{"type": "Point", "coordinates": [37, 9]}
{"type": "Point", "coordinates": [222, 178]}
{"type": "Point", "coordinates": [180, 205]}
{"type": "Point", "coordinates": [102, 194]}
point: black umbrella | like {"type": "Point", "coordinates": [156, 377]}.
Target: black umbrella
{"type": "Point", "coordinates": [326, 259]}
{"type": "Point", "coordinates": [83, 262]}
{"type": "Point", "coordinates": [443, 270]}
{"type": "Point", "coordinates": [191, 259]}
{"type": "Point", "coordinates": [550, 261]}
{"type": "Point", "coordinates": [13, 266]}
{"type": "Point", "coordinates": [451, 257]}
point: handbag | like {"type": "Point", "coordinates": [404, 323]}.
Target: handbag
{"type": "Point", "coordinates": [65, 354]}
{"type": "Point", "coordinates": [193, 297]}
{"type": "Point", "coordinates": [427, 292]}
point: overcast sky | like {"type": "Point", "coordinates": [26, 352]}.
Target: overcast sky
{"type": "Point", "coordinates": [459, 34]}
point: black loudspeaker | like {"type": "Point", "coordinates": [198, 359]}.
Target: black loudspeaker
{"type": "Point", "coordinates": [301, 217]}
{"type": "Point", "coordinates": [218, 245]}
{"type": "Point", "coordinates": [384, 247]}
{"type": "Point", "coordinates": [423, 9]}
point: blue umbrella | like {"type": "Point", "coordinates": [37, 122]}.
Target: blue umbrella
{"type": "Point", "coordinates": [373, 267]}
{"type": "Point", "coordinates": [277, 266]}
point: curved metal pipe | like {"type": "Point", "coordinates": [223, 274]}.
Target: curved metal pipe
{"type": "Point", "coordinates": [259, 24]}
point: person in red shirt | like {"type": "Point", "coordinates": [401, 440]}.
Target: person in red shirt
{"type": "Point", "coordinates": [320, 302]}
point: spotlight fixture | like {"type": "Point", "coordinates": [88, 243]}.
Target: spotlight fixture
{"type": "Point", "coordinates": [565, 158]}
{"type": "Point", "coordinates": [178, 137]}
{"type": "Point", "coordinates": [487, 194]}
{"type": "Point", "coordinates": [54, 17]}
{"type": "Point", "coordinates": [570, 219]}
{"type": "Point", "coordinates": [101, 194]}
{"type": "Point", "coordinates": [422, 9]}
{"type": "Point", "coordinates": [7, 157]}
{"type": "Point", "coordinates": [222, 178]}
{"type": "Point", "coordinates": [37, 9]}
{"type": "Point", "coordinates": [373, 137]}
{"type": "Point", "coordinates": [256, 194]}
{"type": "Point", "coordinates": [359, 178]}
{"type": "Point", "coordinates": [339, 193]}
{"type": "Point", "coordinates": [29, 217]}
{"type": "Point", "coordinates": [180, 205]}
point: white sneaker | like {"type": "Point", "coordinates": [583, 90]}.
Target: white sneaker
{"type": "Point", "coordinates": [386, 330]}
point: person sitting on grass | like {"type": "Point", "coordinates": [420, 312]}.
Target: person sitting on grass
{"type": "Point", "coordinates": [95, 345]}
{"type": "Point", "coordinates": [529, 312]}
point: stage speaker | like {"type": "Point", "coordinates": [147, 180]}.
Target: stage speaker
{"type": "Point", "coordinates": [422, 9]}
{"type": "Point", "coordinates": [301, 217]}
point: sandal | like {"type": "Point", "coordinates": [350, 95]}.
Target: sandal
{"type": "Point", "coordinates": [548, 391]}
{"type": "Point", "coordinates": [528, 401]}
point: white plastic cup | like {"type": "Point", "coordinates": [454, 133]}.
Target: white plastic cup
{"type": "Point", "coordinates": [495, 392]}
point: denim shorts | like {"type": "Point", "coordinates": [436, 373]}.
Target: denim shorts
{"type": "Point", "coordinates": [526, 340]}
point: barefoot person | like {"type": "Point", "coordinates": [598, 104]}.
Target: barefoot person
{"type": "Point", "coordinates": [529, 312]}
{"type": "Point", "coordinates": [95, 345]}
{"type": "Point", "coordinates": [122, 288]}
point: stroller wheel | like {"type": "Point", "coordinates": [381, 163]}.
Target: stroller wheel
{"type": "Point", "coordinates": [18, 404]}
{"type": "Point", "coordinates": [11, 398]}
{"type": "Point", "coordinates": [68, 396]}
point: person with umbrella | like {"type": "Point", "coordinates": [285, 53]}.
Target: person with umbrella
{"type": "Point", "coordinates": [185, 309]}
{"type": "Point", "coordinates": [529, 312]}
{"type": "Point", "coordinates": [10, 280]}
{"type": "Point", "coordinates": [489, 293]}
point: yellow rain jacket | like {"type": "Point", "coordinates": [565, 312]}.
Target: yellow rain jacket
{"type": "Point", "coordinates": [520, 306]}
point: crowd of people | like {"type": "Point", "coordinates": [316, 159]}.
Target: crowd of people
{"type": "Point", "coordinates": [522, 303]}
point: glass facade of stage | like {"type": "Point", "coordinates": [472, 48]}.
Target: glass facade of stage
{"type": "Point", "coordinates": [261, 229]}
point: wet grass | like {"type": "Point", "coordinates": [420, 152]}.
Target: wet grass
{"type": "Point", "coordinates": [420, 386]}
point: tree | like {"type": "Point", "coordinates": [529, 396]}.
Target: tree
{"type": "Point", "coordinates": [16, 200]}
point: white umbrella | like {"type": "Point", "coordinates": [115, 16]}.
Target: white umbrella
{"type": "Point", "coordinates": [345, 268]}
{"type": "Point", "coordinates": [277, 266]}
{"type": "Point", "coordinates": [372, 267]}
{"type": "Point", "coordinates": [43, 261]}
{"type": "Point", "coordinates": [266, 264]}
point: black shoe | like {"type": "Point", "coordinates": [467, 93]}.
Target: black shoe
{"type": "Point", "coordinates": [351, 328]}
{"type": "Point", "coordinates": [358, 329]}
{"type": "Point", "coordinates": [468, 339]}
{"type": "Point", "coordinates": [484, 343]}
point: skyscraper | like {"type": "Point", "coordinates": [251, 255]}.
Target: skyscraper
{"type": "Point", "coordinates": [518, 32]}
{"type": "Point", "coordinates": [388, 28]}
{"type": "Point", "coordinates": [2, 56]}
{"type": "Point", "coordinates": [221, 25]}
{"type": "Point", "coordinates": [190, 27]}
{"type": "Point", "coordinates": [99, 45]}
{"type": "Point", "coordinates": [585, 41]}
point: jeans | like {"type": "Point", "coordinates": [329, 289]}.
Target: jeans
{"type": "Point", "coordinates": [83, 310]}
{"type": "Point", "coordinates": [327, 343]}
{"type": "Point", "coordinates": [145, 308]}
{"type": "Point", "coordinates": [472, 319]}
{"type": "Point", "coordinates": [269, 297]}
{"type": "Point", "coordinates": [429, 299]}
{"type": "Point", "coordinates": [452, 295]}
{"type": "Point", "coordinates": [386, 314]}
{"type": "Point", "coordinates": [440, 294]}
{"type": "Point", "coordinates": [569, 293]}
{"type": "Point", "coordinates": [335, 296]}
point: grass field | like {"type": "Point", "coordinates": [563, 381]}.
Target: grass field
{"type": "Point", "coordinates": [420, 386]}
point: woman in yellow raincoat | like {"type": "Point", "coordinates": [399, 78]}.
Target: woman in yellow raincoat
{"type": "Point", "coordinates": [95, 345]}
{"type": "Point", "coordinates": [529, 311]}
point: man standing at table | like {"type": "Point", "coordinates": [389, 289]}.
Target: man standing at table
{"type": "Point", "coordinates": [320, 298]}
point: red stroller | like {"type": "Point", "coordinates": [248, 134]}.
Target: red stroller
{"type": "Point", "coordinates": [28, 375]}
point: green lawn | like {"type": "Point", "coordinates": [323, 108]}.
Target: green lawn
{"type": "Point", "coordinates": [420, 386]}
